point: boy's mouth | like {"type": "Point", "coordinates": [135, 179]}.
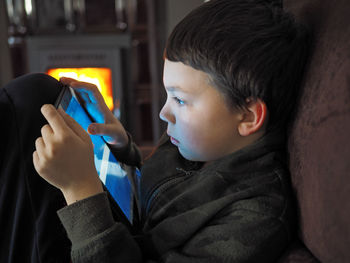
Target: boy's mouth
{"type": "Point", "coordinates": [174, 141]}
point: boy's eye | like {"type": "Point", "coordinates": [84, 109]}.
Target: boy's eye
{"type": "Point", "coordinates": [179, 101]}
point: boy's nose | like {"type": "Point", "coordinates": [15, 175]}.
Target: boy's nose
{"type": "Point", "coordinates": [165, 115]}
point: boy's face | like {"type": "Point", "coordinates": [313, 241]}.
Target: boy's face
{"type": "Point", "coordinates": [199, 121]}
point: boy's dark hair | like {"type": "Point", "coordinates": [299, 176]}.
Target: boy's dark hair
{"type": "Point", "coordinates": [250, 49]}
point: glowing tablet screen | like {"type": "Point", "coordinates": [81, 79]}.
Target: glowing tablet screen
{"type": "Point", "coordinates": [108, 168]}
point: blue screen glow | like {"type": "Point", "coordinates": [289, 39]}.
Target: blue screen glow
{"type": "Point", "coordinates": [110, 171]}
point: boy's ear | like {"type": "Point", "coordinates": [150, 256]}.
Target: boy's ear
{"type": "Point", "coordinates": [253, 118]}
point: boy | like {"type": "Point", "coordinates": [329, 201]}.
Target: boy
{"type": "Point", "coordinates": [217, 187]}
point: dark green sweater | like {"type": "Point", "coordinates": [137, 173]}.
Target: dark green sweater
{"type": "Point", "coordinates": [236, 209]}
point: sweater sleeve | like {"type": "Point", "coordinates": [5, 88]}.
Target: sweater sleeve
{"type": "Point", "coordinates": [242, 236]}
{"type": "Point", "coordinates": [94, 235]}
{"type": "Point", "coordinates": [130, 154]}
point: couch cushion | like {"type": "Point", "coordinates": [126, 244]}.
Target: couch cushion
{"type": "Point", "coordinates": [297, 252]}
{"type": "Point", "coordinates": [319, 143]}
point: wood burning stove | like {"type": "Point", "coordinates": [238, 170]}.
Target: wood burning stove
{"type": "Point", "coordinates": [91, 58]}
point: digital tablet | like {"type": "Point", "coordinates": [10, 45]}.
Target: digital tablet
{"type": "Point", "coordinates": [117, 177]}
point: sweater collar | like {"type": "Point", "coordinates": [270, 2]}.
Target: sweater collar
{"type": "Point", "coordinates": [251, 157]}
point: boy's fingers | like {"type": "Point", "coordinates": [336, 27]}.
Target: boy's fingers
{"type": "Point", "coordinates": [46, 132]}
{"type": "Point", "coordinates": [102, 129]}
{"type": "Point", "coordinates": [97, 128]}
{"type": "Point", "coordinates": [67, 81]}
{"type": "Point", "coordinates": [53, 118]}
{"type": "Point", "coordinates": [109, 132]}
{"type": "Point", "coordinates": [83, 87]}
{"type": "Point", "coordinates": [92, 91]}
{"type": "Point", "coordinates": [36, 160]}
{"type": "Point", "coordinates": [73, 125]}
{"type": "Point", "coordinates": [39, 146]}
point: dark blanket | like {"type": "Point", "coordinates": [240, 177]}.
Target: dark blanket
{"type": "Point", "coordinates": [30, 229]}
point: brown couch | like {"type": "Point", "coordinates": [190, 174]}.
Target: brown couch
{"type": "Point", "coordinates": [319, 143]}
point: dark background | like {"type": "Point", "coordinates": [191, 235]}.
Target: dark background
{"type": "Point", "coordinates": [148, 22]}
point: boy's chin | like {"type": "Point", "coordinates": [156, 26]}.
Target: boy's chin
{"type": "Point", "coordinates": [197, 157]}
{"type": "Point", "coordinates": [190, 156]}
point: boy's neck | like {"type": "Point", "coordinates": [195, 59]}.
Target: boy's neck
{"type": "Point", "coordinates": [246, 141]}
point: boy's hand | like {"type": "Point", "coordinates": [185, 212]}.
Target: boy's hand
{"type": "Point", "coordinates": [64, 156]}
{"type": "Point", "coordinates": [107, 124]}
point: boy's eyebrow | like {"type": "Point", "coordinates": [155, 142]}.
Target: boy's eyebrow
{"type": "Point", "coordinates": [174, 88]}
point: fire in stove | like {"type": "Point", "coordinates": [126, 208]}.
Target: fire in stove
{"type": "Point", "coordinates": [101, 77]}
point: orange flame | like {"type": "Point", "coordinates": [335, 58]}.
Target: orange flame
{"type": "Point", "coordinates": [101, 77]}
